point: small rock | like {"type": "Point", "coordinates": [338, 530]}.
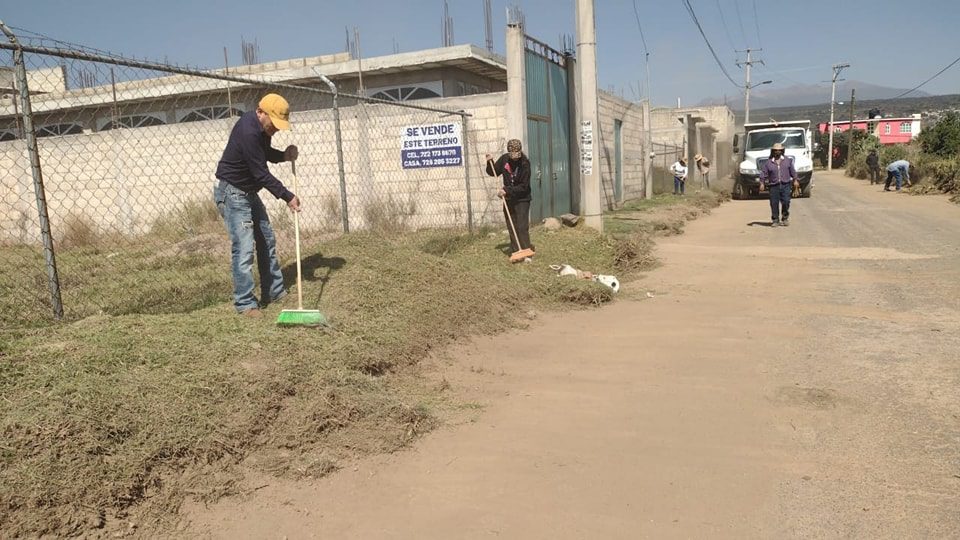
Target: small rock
{"type": "Point", "coordinates": [649, 294]}
{"type": "Point", "coordinates": [97, 521]}
{"type": "Point", "coordinates": [531, 314]}
{"type": "Point", "coordinates": [570, 220]}
{"type": "Point", "coordinates": [552, 224]}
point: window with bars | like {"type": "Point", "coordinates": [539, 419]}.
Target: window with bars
{"type": "Point", "coordinates": [906, 127]}
{"type": "Point", "coordinates": [409, 92]}
{"type": "Point", "coordinates": [209, 113]}
{"type": "Point", "coordinates": [57, 130]}
{"type": "Point", "coordinates": [405, 93]}
{"type": "Point", "coordinates": [132, 121]}
{"type": "Point", "coordinates": [886, 129]}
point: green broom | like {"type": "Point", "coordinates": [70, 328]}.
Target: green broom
{"type": "Point", "coordinates": [299, 316]}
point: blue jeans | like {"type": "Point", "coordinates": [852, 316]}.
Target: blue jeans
{"type": "Point", "coordinates": [678, 185]}
{"type": "Point", "coordinates": [249, 228]}
{"type": "Point", "coordinates": [780, 201]}
{"type": "Point", "coordinates": [890, 176]}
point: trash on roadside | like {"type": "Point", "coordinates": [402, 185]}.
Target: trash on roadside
{"type": "Point", "coordinates": [603, 279]}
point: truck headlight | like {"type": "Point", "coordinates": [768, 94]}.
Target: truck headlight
{"type": "Point", "coordinates": [744, 170]}
{"type": "Point", "coordinates": [805, 168]}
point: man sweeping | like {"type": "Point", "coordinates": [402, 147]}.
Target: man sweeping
{"type": "Point", "coordinates": [242, 172]}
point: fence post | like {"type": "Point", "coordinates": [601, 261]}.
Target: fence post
{"type": "Point", "coordinates": [53, 278]}
{"type": "Point", "coordinates": [344, 212]}
{"type": "Point", "coordinates": [466, 172]}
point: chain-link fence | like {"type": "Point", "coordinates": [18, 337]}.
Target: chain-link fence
{"type": "Point", "coordinates": [108, 175]}
{"type": "Point", "coordinates": [665, 155]}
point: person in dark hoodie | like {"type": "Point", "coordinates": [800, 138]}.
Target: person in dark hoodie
{"type": "Point", "coordinates": [873, 165]}
{"type": "Point", "coordinates": [514, 168]}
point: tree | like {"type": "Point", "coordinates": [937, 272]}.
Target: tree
{"type": "Point", "coordinates": [841, 141]}
{"type": "Point", "coordinates": [943, 138]}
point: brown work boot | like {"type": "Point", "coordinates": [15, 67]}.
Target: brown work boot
{"type": "Point", "coordinates": [252, 313]}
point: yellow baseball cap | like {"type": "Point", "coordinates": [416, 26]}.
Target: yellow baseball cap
{"type": "Point", "coordinates": [278, 109]}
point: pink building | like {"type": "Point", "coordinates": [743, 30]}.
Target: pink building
{"type": "Point", "coordinates": [888, 130]}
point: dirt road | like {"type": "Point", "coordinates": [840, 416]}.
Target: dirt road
{"type": "Point", "coordinates": [790, 382]}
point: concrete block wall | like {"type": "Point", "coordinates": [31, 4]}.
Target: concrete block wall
{"type": "Point", "coordinates": [718, 146]}
{"type": "Point", "coordinates": [124, 180]}
{"type": "Point", "coordinates": [613, 108]}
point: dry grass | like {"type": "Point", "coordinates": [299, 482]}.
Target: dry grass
{"type": "Point", "coordinates": [165, 394]}
{"type": "Point", "coordinates": [79, 231]}
{"type": "Point", "coordinates": [663, 215]}
{"type": "Point", "coordinates": [198, 217]}
{"type": "Point", "coordinates": [389, 214]}
{"type": "Point", "coordinates": [332, 213]}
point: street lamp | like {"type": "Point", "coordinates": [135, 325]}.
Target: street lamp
{"type": "Point", "coordinates": [746, 105]}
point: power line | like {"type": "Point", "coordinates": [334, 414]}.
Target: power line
{"type": "Point", "coordinates": [781, 74]}
{"type": "Point", "coordinates": [693, 15]}
{"type": "Point", "coordinates": [646, 53]}
{"type": "Point", "coordinates": [736, 4]}
{"type": "Point", "coordinates": [726, 30]}
{"type": "Point", "coordinates": [756, 22]}
{"type": "Point", "coordinates": [928, 80]}
{"type": "Point", "coordinates": [636, 13]}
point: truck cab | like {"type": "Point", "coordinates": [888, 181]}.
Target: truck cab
{"type": "Point", "coordinates": [752, 149]}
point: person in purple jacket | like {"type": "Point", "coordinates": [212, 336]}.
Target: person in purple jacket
{"type": "Point", "coordinates": [242, 172]}
{"type": "Point", "coordinates": [780, 177]}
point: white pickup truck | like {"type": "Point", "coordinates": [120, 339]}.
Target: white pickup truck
{"type": "Point", "coordinates": [752, 148]}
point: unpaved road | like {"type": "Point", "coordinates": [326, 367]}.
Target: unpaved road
{"type": "Point", "coordinates": [781, 383]}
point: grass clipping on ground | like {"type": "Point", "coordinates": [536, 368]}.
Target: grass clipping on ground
{"type": "Point", "coordinates": [125, 410]}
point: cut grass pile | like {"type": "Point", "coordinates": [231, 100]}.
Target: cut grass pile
{"type": "Point", "coordinates": [168, 393]}
{"type": "Point", "coordinates": [663, 215]}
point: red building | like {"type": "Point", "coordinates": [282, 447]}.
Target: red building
{"type": "Point", "coordinates": [888, 130]}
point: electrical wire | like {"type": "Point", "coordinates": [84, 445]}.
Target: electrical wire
{"type": "Point", "coordinates": [726, 29]}
{"type": "Point", "coordinates": [696, 21]}
{"type": "Point", "coordinates": [646, 52]}
{"type": "Point", "coordinates": [756, 21]}
{"type": "Point", "coordinates": [917, 87]}
{"type": "Point", "coordinates": [636, 13]}
{"type": "Point", "coordinates": [743, 34]}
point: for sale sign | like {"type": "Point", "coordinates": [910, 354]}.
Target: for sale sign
{"type": "Point", "coordinates": [432, 145]}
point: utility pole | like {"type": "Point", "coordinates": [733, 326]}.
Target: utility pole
{"type": "Point", "coordinates": [648, 136]}
{"type": "Point", "coordinates": [853, 94]}
{"type": "Point", "coordinates": [589, 119]}
{"type": "Point", "coordinates": [746, 86]}
{"type": "Point", "coordinates": [837, 68]}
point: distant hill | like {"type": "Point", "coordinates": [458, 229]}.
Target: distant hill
{"type": "Point", "coordinates": [931, 107]}
{"type": "Point", "coordinates": [770, 96]}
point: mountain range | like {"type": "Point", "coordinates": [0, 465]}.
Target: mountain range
{"type": "Point", "coordinates": [769, 96]}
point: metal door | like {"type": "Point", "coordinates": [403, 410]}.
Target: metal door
{"type": "Point", "coordinates": [548, 131]}
{"type": "Point", "coordinates": [541, 188]}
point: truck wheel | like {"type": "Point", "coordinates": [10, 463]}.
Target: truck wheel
{"type": "Point", "coordinates": [739, 191]}
{"type": "Point", "coordinates": [807, 190]}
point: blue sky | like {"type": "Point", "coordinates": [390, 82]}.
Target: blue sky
{"type": "Point", "coordinates": [888, 42]}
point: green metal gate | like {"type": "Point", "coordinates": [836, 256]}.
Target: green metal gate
{"type": "Point", "coordinates": [548, 130]}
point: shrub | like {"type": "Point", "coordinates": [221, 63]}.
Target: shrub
{"type": "Point", "coordinates": [943, 138]}
{"type": "Point", "coordinates": [79, 231]}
